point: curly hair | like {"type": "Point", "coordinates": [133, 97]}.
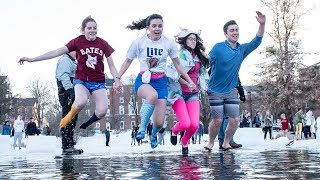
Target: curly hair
{"type": "Point", "coordinates": [199, 46]}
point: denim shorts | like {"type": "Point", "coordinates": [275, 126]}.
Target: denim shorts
{"type": "Point", "coordinates": [159, 84]}
{"type": "Point", "coordinates": [224, 104]}
{"type": "Point", "coordinates": [91, 86]}
{"type": "Point", "coordinates": [190, 97]}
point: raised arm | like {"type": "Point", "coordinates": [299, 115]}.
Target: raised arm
{"type": "Point", "coordinates": [261, 18]}
{"type": "Point", "coordinates": [46, 56]}
{"type": "Point", "coordinates": [125, 66]}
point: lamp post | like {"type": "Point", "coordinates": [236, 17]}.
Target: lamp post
{"type": "Point", "coordinates": [249, 92]}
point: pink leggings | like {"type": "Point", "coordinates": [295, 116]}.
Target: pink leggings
{"type": "Point", "coordinates": [188, 114]}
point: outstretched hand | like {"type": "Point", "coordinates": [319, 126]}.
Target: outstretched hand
{"type": "Point", "coordinates": [261, 18]}
{"type": "Point", "coordinates": [21, 60]}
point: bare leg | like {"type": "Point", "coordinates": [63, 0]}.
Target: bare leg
{"type": "Point", "coordinates": [101, 100]}
{"type": "Point", "coordinates": [159, 113]}
{"type": "Point", "coordinates": [213, 131]}
{"type": "Point", "coordinates": [231, 129]}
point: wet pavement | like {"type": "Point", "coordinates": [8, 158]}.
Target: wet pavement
{"type": "Point", "coordinates": [239, 164]}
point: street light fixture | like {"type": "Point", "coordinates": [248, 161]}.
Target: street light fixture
{"type": "Point", "coordinates": [249, 92]}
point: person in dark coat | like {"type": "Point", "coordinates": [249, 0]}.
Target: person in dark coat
{"type": "Point", "coordinates": [107, 132]}
{"type": "Point", "coordinates": [32, 128]}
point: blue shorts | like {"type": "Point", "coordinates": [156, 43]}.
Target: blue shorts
{"type": "Point", "coordinates": [224, 104]}
{"type": "Point", "coordinates": [159, 84]}
{"type": "Point", "coordinates": [91, 86]}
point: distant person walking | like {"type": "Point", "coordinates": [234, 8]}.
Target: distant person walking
{"type": "Point", "coordinates": [18, 126]}
{"type": "Point", "coordinates": [297, 121]}
{"type": "Point", "coordinates": [6, 129]}
{"type": "Point", "coordinates": [257, 120]}
{"type": "Point", "coordinates": [32, 129]}
{"type": "Point", "coordinates": [107, 133]}
{"type": "Point", "coordinates": [286, 126]}
{"type": "Point", "coordinates": [268, 119]}
{"type": "Point", "coordinates": [307, 123]}
{"type": "Point", "coordinates": [199, 133]}
{"type": "Point", "coordinates": [133, 135]}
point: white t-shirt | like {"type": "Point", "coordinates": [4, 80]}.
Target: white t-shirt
{"type": "Point", "coordinates": [154, 52]}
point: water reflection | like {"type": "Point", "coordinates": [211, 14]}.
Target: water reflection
{"type": "Point", "coordinates": [297, 164]}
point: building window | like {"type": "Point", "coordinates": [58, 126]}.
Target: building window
{"type": "Point", "coordinates": [97, 128]}
{"type": "Point", "coordinates": [121, 100]}
{"type": "Point", "coordinates": [108, 126]}
{"type": "Point", "coordinates": [121, 110]}
{"type": "Point", "coordinates": [26, 110]}
{"type": "Point", "coordinates": [108, 102]}
{"type": "Point", "coordinates": [88, 112]}
{"type": "Point", "coordinates": [108, 92]}
{"type": "Point", "coordinates": [131, 90]}
{"type": "Point", "coordinates": [131, 109]}
{"type": "Point", "coordinates": [108, 112]}
{"type": "Point", "coordinates": [133, 124]}
{"type": "Point", "coordinates": [122, 125]}
{"type": "Point", "coordinates": [122, 89]}
{"type": "Point", "coordinates": [143, 100]}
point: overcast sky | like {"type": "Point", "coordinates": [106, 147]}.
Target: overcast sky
{"type": "Point", "coordinates": [33, 27]}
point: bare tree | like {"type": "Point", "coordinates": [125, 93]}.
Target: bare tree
{"type": "Point", "coordinates": [5, 96]}
{"type": "Point", "coordinates": [54, 112]}
{"type": "Point", "coordinates": [133, 99]}
{"type": "Point", "coordinates": [278, 83]}
{"type": "Point", "coordinates": [41, 91]}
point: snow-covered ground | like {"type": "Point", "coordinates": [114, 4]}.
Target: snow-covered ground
{"type": "Point", "coordinates": [47, 147]}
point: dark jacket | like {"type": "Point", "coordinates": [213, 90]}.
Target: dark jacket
{"type": "Point", "coordinates": [32, 128]}
{"type": "Point", "coordinates": [107, 132]}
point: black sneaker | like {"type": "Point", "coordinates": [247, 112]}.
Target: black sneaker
{"type": "Point", "coordinates": [173, 139]}
{"type": "Point", "coordinates": [185, 151]}
{"type": "Point", "coordinates": [220, 146]}
{"type": "Point", "coordinates": [235, 145]}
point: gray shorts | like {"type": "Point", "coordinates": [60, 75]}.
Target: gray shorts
{"type": "Point", "coordinates": [224, 104]}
